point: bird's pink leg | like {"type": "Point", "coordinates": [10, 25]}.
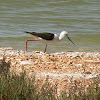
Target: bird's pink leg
{"type": "Point", "coordinates": [30, 41]}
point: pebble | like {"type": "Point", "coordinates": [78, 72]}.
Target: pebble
{"type": "Point", "coordinates": [26, 62]}
{"type": "Point", "coordinates": [1, 58]}
{"type": "Point", "coordinates": [92, 61]}
{"type": "Point", "coordinates": [79, 65]}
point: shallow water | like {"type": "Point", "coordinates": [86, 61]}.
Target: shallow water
{"type": "Point", "coordinates": [81, 18]}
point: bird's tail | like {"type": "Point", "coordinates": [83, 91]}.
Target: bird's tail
{"type": "Point", "coordinates": [27, 32]}
{"type": "Point", "coordinates": [30, 32]}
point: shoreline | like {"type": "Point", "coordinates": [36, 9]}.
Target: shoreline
{"type": "Point", "coordinates": [60, 68]}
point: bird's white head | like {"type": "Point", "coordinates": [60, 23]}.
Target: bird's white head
{"type": "Point", "coordinates": [63, 34]}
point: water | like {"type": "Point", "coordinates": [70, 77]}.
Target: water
{"type": "Point", "coordinates": [81, 18]}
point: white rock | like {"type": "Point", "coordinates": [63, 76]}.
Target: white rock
{"type": "Point", "coordinates": [79, 65]}
{"type": "Point", "coordinates": [91, 61]}
{"type": "Point", "coordinates": [1, 58]}
{"type": "Point", "coordinates": [26, 62]}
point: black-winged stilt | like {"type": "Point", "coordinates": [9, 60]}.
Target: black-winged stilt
{"type": "Point", "coordinates": [48, 37]}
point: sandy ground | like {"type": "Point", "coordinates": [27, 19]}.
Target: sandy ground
{"type": "Point", "coordinates": [61, 68]}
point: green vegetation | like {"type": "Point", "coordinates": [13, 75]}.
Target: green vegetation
{"type": "Point", "coordinates": [14, 87]}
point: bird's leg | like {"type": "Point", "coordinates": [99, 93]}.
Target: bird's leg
{"type": "Point", "coordinates": [45, 48]}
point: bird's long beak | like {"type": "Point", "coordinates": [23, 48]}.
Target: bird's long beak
{"type": "Point", "coordinates": [70, 40]}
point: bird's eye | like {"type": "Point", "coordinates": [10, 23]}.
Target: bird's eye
{"type": "Point", "coordinates": [67, 35]}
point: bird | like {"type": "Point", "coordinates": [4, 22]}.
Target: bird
{"type": "Point", "coordinates": [49, 37]}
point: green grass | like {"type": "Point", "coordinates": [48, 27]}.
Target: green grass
{"type": "Point", "coordinates": [14, 87]}
{"type": "Point", "coordinates": [21, 88]}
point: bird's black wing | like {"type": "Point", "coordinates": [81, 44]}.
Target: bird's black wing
{"type": "Point", "coordinates": [46, 36]}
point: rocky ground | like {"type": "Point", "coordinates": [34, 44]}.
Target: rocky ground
{"type": "Point", "coordinates": [61, 69]}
